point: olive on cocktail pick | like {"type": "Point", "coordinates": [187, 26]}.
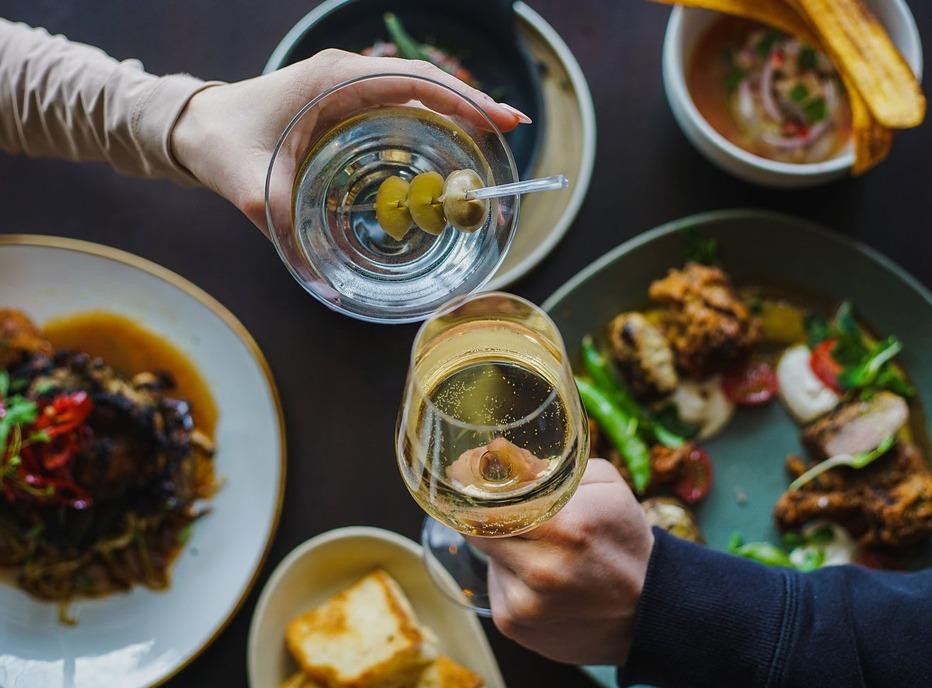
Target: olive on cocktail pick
{"type": "Point", "coordinates": [391, 210]}
{"type": "Point", "coordinates": [425, 202]}
{"type": "Point", "coordinates": [465, 215]}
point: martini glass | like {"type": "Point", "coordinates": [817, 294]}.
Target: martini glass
{"type": "Point", "coordinates": [322, 182]}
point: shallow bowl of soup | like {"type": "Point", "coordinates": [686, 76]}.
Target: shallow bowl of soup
{"type": "Point", "coordinates": [763, 105]}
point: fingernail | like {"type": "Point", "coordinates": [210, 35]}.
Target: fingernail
{"type": "Point", "coordinates": [524, 119]}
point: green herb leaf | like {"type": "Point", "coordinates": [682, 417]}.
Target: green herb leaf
{"type": "Point", "coordinates": [734, 78]}
{"type": "Point", "coordinates": [866, 371]}
{"type": "Point", "coordinates": [815, 110]}
{"type": "Point", "coordinates": [817, 329]}
{"type": "Point", "coordinates": [765, 44]}
{"type": "Point", "coordinates": [808, 59]}
{"type": "Point", "coordinates": [4, 384]}
{"type": "Point", "coordinates": [699, 248]}
{"type": "Point", "coordinates": [799, 92]}
{"type": "Point", "coordinates": [184, 535]}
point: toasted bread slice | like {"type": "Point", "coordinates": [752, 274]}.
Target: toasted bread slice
{"type": "Point", "coordinates": [365, 637]}
{"type": "Point", "coordinates": [445, 673]}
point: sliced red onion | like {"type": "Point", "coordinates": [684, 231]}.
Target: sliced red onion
{"type": "Point", "coordinates": [766, 92]}
{"type": "Point", "coordinates": [746, 101]}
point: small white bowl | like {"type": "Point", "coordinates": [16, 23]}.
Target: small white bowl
{"type": "Point", "coordinates": [686, 27]}
{"type": "Point", "coordinates": [328, 563]}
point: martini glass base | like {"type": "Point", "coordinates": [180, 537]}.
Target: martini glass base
{"type": "Point", "coordinates": [457, 568]}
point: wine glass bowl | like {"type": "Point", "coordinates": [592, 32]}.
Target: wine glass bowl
{"type": "Point", "coordinates": [324, 176]}
{"type": "Point", "coordinates": [492, 438]}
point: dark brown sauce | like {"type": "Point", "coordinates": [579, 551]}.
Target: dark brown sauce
{"type": "Point", "coordinates": [129, 349]}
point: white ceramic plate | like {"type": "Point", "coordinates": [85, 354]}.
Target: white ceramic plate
{"type": "Point", "coordinates": [144, 637]}
{"type": "Point", "coordinates": [330, 562]}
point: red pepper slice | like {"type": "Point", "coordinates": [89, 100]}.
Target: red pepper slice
{"type": "Point", "coordinates": [750, 384]}
{"type": "Point", "coordinates": [824, 365]}
{"type": "Point", "coordinates": [65, 413]}
{"type": "Point", "coordinates": [695, 480]}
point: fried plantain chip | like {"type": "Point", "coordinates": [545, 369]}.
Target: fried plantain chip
{"type": "Point", "coordinates": [862, 50]}
{"type": "Point", "coordinates": [775, 13]}
{"type": "Point", "coordinates": [872, 141]}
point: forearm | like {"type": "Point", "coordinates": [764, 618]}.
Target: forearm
{"type": "Point", "coordinates": [708, 619]}
{"type": "Point", "coordinates": [70, 100]}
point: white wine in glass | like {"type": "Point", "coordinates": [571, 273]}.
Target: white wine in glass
{"type": "Point", "coordinates": [492, 438]}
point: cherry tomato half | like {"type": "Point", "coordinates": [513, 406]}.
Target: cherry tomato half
{"type": "Point", "coordinates": [695, 480]}
{"type": "Point", "coordinates": [750, 384]}
{"type": "Point", "coordinates": [824, 365]}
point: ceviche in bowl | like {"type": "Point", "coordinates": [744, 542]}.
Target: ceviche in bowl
{"type": "Point", "coordinates": [793, 95]}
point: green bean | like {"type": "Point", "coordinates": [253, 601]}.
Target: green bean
{"type": "Point", "coordinates": [407, 46]}
{"type": "Point", "coordinates": [604, 377]}
{"type": "Point", "coordinates": [621, 428]}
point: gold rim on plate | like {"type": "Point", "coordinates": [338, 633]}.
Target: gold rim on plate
{"type": "Point", "coordinates": [230, 320]}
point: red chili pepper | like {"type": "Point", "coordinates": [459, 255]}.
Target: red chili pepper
{"type": "Point", "coordinates": [778, 58]}
{"type": "Point", "coordinates": [65, 413]}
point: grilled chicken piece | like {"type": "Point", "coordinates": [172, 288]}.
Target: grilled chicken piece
{"type": "Point", "coordinates": [858, 426]}
{"type": "Point", "coordinates": [707, 325]}
{"type": "Point", "coordinates": [19, 337]}
{"type": "Point", "coordinates": [137, 435]}
{"type": "Point", "coordinates": [644, 353]}
{"type": "Point", "coordinates": [888, 503]}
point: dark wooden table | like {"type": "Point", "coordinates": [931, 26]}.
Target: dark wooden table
{"type": "Point", "coordinates": [336, 374]}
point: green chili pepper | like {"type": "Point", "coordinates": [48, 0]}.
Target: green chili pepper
{"type": "Point", "coordinates": [407, 46]}
{"type": "Point", "coordinates": [764, 553]}
{"type": "Point", "coordinates": [621, 428]}
{"type": "Point", "coordinates": [604, 377]}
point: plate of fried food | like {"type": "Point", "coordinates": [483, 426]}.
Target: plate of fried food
{"type": "Point", "coordinates": [793, 92]}
{"type": "Point", "coordinates": [760, 383]}
{"type": "Point", "coordinates": [356, 607]}
{"type": "Point", "coordinates": [141, 466]}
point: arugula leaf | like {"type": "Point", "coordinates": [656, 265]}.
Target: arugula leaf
{"type": "Point", "coordinates": [866, 371]}
{"type": "Point", "coordinates": [817, 329]}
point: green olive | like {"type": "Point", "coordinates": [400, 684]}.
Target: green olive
{"type": "Point", "coordinates": [465, 215]}
{"type": "Point", "coordinates": [424, 202]}
{"type": "Point", "coordinates": [390, 209]}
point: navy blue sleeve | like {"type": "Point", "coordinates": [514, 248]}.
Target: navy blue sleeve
{"type": "Point", "coordinates": [710, 619]}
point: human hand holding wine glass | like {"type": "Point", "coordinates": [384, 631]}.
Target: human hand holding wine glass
{"type": "Point", "coordinates": [569, 589]}
{"type": "Point", "coordinates": [492, 439]}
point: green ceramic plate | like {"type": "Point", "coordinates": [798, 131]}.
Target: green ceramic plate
{"type": "Point", "coordinates": [754, 247]}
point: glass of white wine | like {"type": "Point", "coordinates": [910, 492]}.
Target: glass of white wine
{"type": "Point", "coordinates": [492, 438]}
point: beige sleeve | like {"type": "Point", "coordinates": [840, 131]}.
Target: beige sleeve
{"type": "Point", "coordinates": [71, 100]}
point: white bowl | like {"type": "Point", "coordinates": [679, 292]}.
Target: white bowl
{"type": "Point", "coordinates": [328, 563]}
{"type": "Point", "coordinates": [686, 26]}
